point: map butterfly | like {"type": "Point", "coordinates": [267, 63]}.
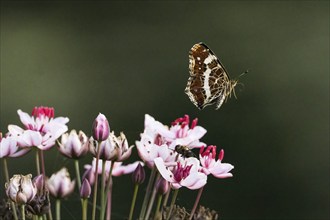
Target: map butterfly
{"type": "Point", "coordinates": [209, 82]}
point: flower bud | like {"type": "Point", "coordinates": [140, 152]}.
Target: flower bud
{"type": "Point", "coordinates": [85, 189]}
{"type": "Point", "coordinates": [74, 145]}
{"type": "Point", "coordinates": [138, 175]}
{"type": "Point", "coordinates": [162, 186]}
{"type": "Point", "coordinates": [60, 184]}
{"type": "Point", "coordinates": [39, 181]}
{"type": "Point", "coordinates": [101, 128]}
{"type": "Point", "coordinates": [21, 189]}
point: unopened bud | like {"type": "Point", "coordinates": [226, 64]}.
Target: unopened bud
{"type": "Point", "coordinates": [101, 128]}
{"type": "Point", "coordinates": [85, 189]}
{"type": "Point", "coordinates": [162, 186]}
{"type": "Point", "coordinates": [138, 175]}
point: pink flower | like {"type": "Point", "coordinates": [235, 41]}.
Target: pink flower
{"type": "Point", "coordinates": [74, 145]}
{"type": "Point", "coordinates": [118, 169]}
{"type": "Point", "coordinates": [186, 134]}
{"type": "Point", "coordinates": [154, 142]}
{"type": "Point", "coordinates": [212, 166]}
{"type": "Point", "coordinates": [60, 184]}
{"type": "Point", "coordinates": [148, 151]}
{"type": "Point", "coordinates": [41, 129]}
{"type": "Point", "coordinates": [185, 173]}
{"type": "Point", "coordinates": [9, 148]}
{"type": "Point", "coordinates": [113, 148]}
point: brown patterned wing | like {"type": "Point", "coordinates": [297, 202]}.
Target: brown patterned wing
{"type": "Point", "coordinates": [208, 79]}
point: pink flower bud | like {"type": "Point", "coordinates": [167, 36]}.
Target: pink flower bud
{"type": "Point", "coordinates": [60, 184]}
{"type": "Point", "coordinates": [21, 189]}
{"type": "Point", "coordinates": [138, 175]}
{"type": "Point", "coordinates": [85, 189]}
{"type": "Point", "coordinates": [101, 128]}
{"type": "Point", "coordinates": [39, 181]}
{"type": "Point", "coordinates": [162, 186]}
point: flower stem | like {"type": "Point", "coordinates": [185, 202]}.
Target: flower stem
{"type": "Point", "coordinates": [108, 193]}
{"type": "Point", "coordinates": [84, 209]}
{"type": "Point", "coordinates": [58, 209]}
{"type": "Point", "coordinates": [146, 196]}
{"type": "Point", "coordinates": [5, 170]}
{"type": "Point", "coordinates": [103, 179]}
{"type": "Point", "coordinates": [42, 161]}
{"type": "Point", "coordinates": [166, 198]}
{"type": "Point", "coordinates": [159, 201]}
{"type": "Point", "coordinates": [37, 162]}
{"type": "Point", "coordinates": [76, 163]}
{"type": "Point", "coordinates": [152, 199]}
{"type": "Point", "coordinates": [196, 203]}
{"type": "Point", "coordinates": [109, 206]}
{"type": "Point", "coordinates": [172, 203]}
{"type": "Point", "coordinates": [23, 211]}
{"type": "Point", "coordinates": [96, 179]}
{"type": "Point", "coordinates": [136, 188]}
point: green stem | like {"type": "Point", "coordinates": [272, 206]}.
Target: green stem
{"type": "Point", "coordinates": [166, 198]}
{"type": "Point", "coordinates": [159, 201]}
{"type": "Point", "coordinates": [58, 209]}
{"type": "Point", "coordinates": [42, 161]}
{"type": "Point", "coordinates": [23, 211]}
{"type": "Point", "coordinates": [136, 188]}
{"type": "Point", "coordinates": [103, 179]}
{"type": "Point", "coordinates": [196, 203]}
{"type": "Point", "coordinates": [146, 196]}
{"type": "Point", "coordinates": [5, 170]}
{"type": "Point", "coordinates": [96, 179]}
{"type": "Point", "coordinates": [152, 199]}
{"type": "Point", "coordinates": [84, 209]}
{"type": "Point", "coordinates": [76, 164]}
{"type": "Point", "coordinates": [172, 203]}
{"type": "Point", "coordinates": [108, 189]}
{"type": "Point", "coordinates": [37, 162]}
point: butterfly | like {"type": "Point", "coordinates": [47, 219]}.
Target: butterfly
{"type": "Point", "coordinates": [208, 82]}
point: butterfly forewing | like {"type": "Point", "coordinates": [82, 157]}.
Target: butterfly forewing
{"type": "Point", "coordinates": [208, 82]}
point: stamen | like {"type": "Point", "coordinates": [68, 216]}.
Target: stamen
{"type": "Point", "coordinates": [221, 154]}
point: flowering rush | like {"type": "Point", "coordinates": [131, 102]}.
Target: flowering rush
{"type": "Point", "coordinates": [41, 129]}
{"type": "Point", "coordinates": [110, 155]}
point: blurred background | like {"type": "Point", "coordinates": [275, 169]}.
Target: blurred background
{"type": "Point", "coordinates": [128, 59]}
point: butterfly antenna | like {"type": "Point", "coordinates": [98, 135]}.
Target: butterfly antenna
{"type": "Point", "coordinates": [245, 72]}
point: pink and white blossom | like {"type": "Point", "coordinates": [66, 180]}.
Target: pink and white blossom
{"type": "Point", "coordinates": [9, 147]}
{"type": "Point", "coordinates": [186, 133]}
{"type": "Point", "coordinates": [185, 173]}
{"type": "Point", "coordinates": [113, 148]}
{"type": "Point", "coordinates": [41, 129]}
{"type": "Point", "coordinates": [118, 169]}
{"type": "Point", "coordinates": [74, 145]}
{"type": "Point", "coordinates": [212, 166]}
{"type": "Point", "coordinates": [60, 184]}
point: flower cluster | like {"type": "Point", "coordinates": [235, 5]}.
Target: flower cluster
{"type": "Point", "coordinates": [157, 148]}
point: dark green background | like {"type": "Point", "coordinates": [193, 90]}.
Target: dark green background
{"type": "Point", "coordinates": [126, 59]}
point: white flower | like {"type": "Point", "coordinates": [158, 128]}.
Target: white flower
{"type": "Point", "coordinates": [185, 173]}
{"type": "Point", "coordinates": [60, 184]}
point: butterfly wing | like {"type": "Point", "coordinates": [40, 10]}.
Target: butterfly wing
{"type": "Point", "coordinates": [208, 77]}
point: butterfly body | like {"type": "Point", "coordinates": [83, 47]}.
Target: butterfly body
{"type": "Point", "coordinates": [209, 82]}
